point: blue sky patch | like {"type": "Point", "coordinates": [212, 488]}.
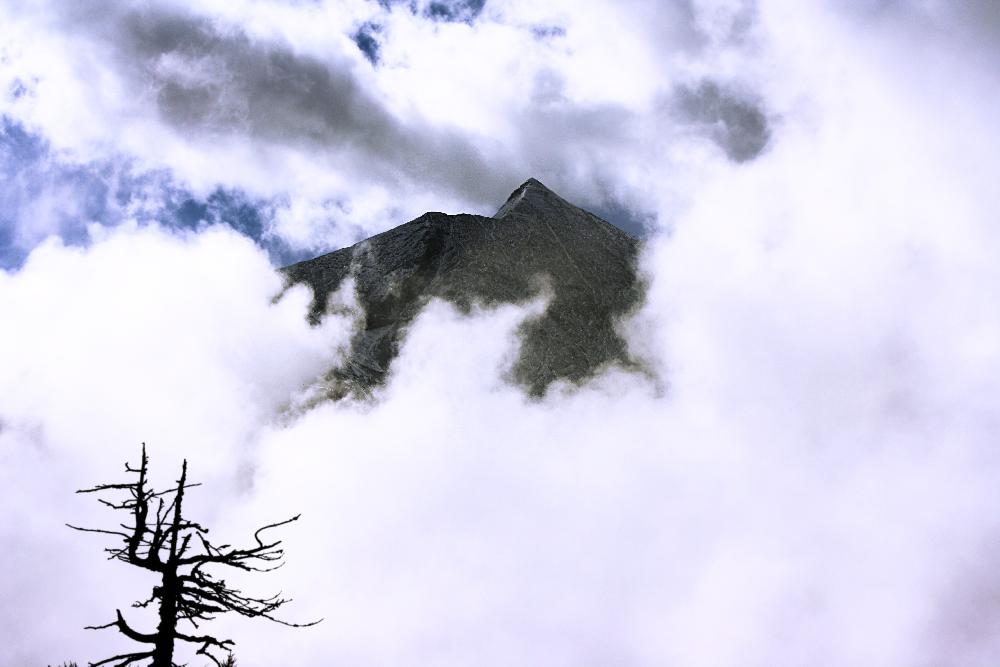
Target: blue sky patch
{"type": "Point", "coordinates": [455, 10]}
{"type": "Point", "coordinates": [43, 195]}
{"type": "Point", "coordinates": [366, 40]}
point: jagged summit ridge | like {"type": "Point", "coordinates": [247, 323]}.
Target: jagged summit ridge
{"type": "Point", "coordinates": [528, 193]}
{"type": "Point", "coordinates": [466, 259]}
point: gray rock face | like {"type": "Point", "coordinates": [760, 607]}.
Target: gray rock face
{"type": "Point", "coordinates": [535, 239]}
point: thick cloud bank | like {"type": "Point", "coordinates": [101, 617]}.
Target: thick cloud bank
{"type": "Point", "coordinates": [814, 482]}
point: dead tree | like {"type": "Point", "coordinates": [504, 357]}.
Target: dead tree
{"type": "Point", "coordinates": [160, 539]}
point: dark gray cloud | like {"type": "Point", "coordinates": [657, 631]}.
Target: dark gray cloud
{"type": "Point", "coordinates": [211, 79]}
{"type": "Point", "coordinates": [736, 122]}
{"type": "Point", "coordinates": [215, 80]}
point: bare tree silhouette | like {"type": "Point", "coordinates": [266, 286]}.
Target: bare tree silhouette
{"type": "Point", "coordinates": [160, 539]}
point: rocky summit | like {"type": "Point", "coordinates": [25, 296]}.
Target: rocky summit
{"type": "Point", "coordinates": [536, 241]}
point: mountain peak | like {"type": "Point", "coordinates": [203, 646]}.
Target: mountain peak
{"type": "Point", "coordinates": [588, 266]}
{"type": "Point", "coordinates": [530, 194]}
{"type": "Point", "coordinates": [532, 201]}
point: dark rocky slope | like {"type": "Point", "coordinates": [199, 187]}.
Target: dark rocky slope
{"type": "Point", "coordinates": [536, 238]}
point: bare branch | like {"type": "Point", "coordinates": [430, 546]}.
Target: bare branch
{"type": "Point", "coordinates": [97, 530]}
{"type": "Point", "coordinates": [126, 658]}
{"type": "Point", "coordinates": [163, 540]}
{"type": "Point", "coordinates": [101, 627]}
{"type": "Point", "coordinates": [256, 535]}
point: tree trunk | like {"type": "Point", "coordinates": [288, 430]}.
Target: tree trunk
{"type": "Point", "coordinates": [166, 631]}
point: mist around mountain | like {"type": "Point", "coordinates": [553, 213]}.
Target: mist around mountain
{"type": "Point", "coordinates": [537, 244]}
{"type": "Point", "coordinates": [817, 483]}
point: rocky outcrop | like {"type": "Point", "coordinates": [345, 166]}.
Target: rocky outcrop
{"type": "Point", "coordinates": [535, 239]}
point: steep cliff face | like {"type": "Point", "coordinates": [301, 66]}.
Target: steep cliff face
{"type": "Point", "coordinates": [535, 239]}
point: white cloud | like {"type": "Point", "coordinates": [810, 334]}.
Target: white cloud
{"type": "Point", "coordinates": [274, 98]}
{"type": "Point", "coordinates": [816, 484]}
{"type": "Point", "coordinates": [145, 336]}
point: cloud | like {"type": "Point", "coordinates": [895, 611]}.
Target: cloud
{"type": "Point", "coordinates": [737, 125]}
{"type": "Point", "coordinates": [46, 194]}
{"type": "Point", "coordinates": [817, 483]}
{"type": "Point", "coordinates": [217, 81]}
{"type": "Point", "coordinates": [455, 10]}
{"type": "Point", "coordinates": [374, 112]}
{"type": "Point", "coordinates": [176, 340]}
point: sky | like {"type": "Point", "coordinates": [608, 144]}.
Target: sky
{"type": "Point", "coordinates": [812, 480]}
